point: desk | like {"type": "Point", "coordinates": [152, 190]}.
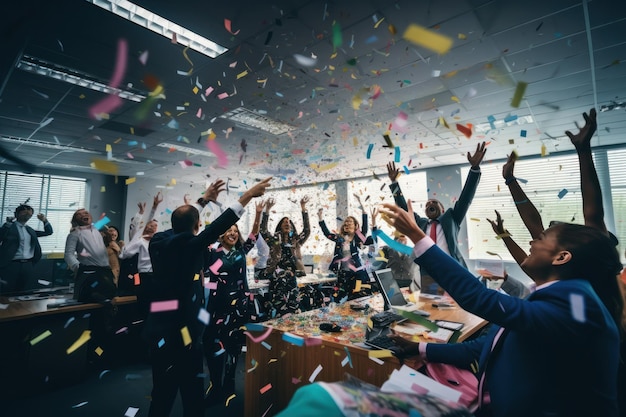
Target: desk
{"type": "Point", "coordinates": [276, 368]}
{"type": "Point", "coordinates": [308, 279]}
{"type": "Point", "coordinates": [27, 368]}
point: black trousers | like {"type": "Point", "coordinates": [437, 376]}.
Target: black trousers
{"type": "Point", "coordinates": [177, 368]}
{"type": "Point", "coordinates": [17, 276]}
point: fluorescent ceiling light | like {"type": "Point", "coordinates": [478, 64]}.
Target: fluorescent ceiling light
{"type": "Point", "coordinates": [160, 25]}
{"type": "Point", "coordinates": [39, 66]}
{"type": "Point", "coordinates": [44, 144]}
{"type": "Point", "coordinates": [498, 124]}
{"type": "Point", "coordinates": [256, 120]}
{"type": "Point", "coordinates": [186, 149]}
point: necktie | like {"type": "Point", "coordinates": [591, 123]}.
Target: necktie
{"type": "Point", "coordinates": [433, 230]}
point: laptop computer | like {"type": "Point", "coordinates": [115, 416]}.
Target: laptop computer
{"type": "Point", "coordinates": [392, 295]}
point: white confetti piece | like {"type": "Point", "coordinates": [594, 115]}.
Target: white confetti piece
{"type": "Point", "coordinates": [315, 373]}
{"type": "Point", "coordinates": [577, 304]}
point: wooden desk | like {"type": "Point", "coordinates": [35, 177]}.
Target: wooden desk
{"type": "Point", "coordinates": [276, 368]}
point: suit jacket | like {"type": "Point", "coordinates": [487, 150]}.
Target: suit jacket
{"type": "Point", "coordinates": [10, 241]}
{"type": "Point", "coordinates": [177, 263]}
{"type": "Point", "coordinates": [275, 245]}
{"type": "Point", "coordinates": [558, 355]}
{"type": "Point", "coordinates": [355, 244]}
{"type": "Point", "coordinates": [452, 218]}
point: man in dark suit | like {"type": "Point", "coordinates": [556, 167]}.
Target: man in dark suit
{"type": "Point", "coordinates": [442, 225]}
{"type": "Point", "coordinates": [175, 323]}
{"type": "Point", "coordinates": [20, 250]}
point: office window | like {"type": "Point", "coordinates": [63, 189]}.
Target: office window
{"type": "Point", "coordinates": [553, 187]}
{"type": "Point", "coordinates": [57, 197]}
{"type": "Point", "coordinates": [617, 168]}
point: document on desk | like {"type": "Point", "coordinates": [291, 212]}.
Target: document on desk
{"type": "Point", "coordinates": [410, 381]}
{"type": "Point", "coordinates": [440, 335]}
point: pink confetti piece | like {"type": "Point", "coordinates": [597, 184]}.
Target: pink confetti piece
{"type": "Point", "coordinates": [109, 104]}
{"type": "Point", "coordinates": [222, 96]}
{"type": "Point", "coordinates": [160, 306]}
{"type": "Point", "coordinates": [313, 341]}
{"type": "Point", "coordinates": [265, 388]}
{"type": "Point", "coordinates": [211, 285]}
{"type": "Point", "coordinates": [259, 338]}
{"type": "Point", "coordinates": [143, 58]}
{"type": "Point", "coordinates": [199, 113]}
{"type": "Point", "coordinates": [222, 158]}
{"type": "Point", "coordinates": [215, 268]}
{"type": "Point", "coordinates": [208, 91]}
{"type": "Point", "coordinates": [229, 27]}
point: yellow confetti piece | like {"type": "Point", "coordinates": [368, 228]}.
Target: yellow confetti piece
{"type": "Point", "coordinates": [79, 342]}
{"type": "Point", "coordinates": [105, 166]}
{"type": "Point", "coordinates": [324, 167]}
{"type": "Point", "coordinates": [196, 277]}
{"type": "Point", "coordinates": [519, 93]}
{"type": "Point", "coordinates": [334, 55]}
{"type": "Point", "coordinates": [132, 130]}
{"type": "Point", "coordinates": [272, 360]}
{"type": "Point", "coordinates": [474, 219]}
{"type": "Point", "coordinates": [173, 181]}
{"type": "Point", "coordinates": [383, 353]}
{"type": "Point", "coordinates": [355, 141]}
{"type": "Point", "coordinates": [41, 337]}
{"type": "Point", "coordinates": [108, 148]}
{"type": "Point", "coordinates": [195, 89]}
{"type": "Point", "coordinates": [378, 23]}
{"type": "Point", "coordinates": [103, 189]}
{"type": "Point", "coordinates": [462, 36]}
{"type": "Point", "coordinates": [130, 180]}
{"type": "Point", "coordinates": [99, 351]}
{"type": "Point", "coordinates": [455, 99]}
{"type": "Point", "coordinates": [544, 150]}
{"type": "Point", "coordinates": [242, 74]}
{"type": "Point", "coordinates": [428, 39]}
{"type": "Point", "coordinates": [184, 332]}
{"type": "Point", "coordinates": [118, 140]}
{"type": "Point", "coordinates": [230, 398]}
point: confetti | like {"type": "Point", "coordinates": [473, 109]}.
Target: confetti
{"type": "Point", "coordinates": [112, 102]}
{"type": "Point", "coordinates": [84, 338]}
{"type": "Point", "coordinates": [41, 337]}
{"type": "Point", "coordinates": [519, 94]}
{"type": "Point", "coordinates": [562, 193]}
{"type": "Point", "coordinates": [428, 39]}
{"type": "Point", "coordinates": [577, 305]}
{"type": "Point", "coordinates": [160, 306]}
{"type": "Point", "coordinates": [317, 370]}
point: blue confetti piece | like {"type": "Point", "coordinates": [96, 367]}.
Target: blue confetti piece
{"type": "Point", "coordinates": [393, 244]}
{"type": "Point", "coordinates": [255, 327]}
{"type": "Point", "coordinates": [325, 186]}
{"type": "Point", "coordinates": [266, 345]}
{"type": "Point", "coordinates": [168, 211]}
{"type": "Point", "coordinates": [562, 193]}
{"type": "Point", "coordinates": [492, 121]}
{"type": "Point", "coordinates": [369, 150]}
{"type": "Point", "coordinates": [522, 180]}
{"type": "Point", "coordinates": [406, 170]}
{"type": "Point", "coordinates": [414, 413]}
{"type": "Point", "coordinates": [313, 94]}
{"type": "Point", "coordinates": [279, 94]}
{"type": "Point", "coordinates": [132, 143]}
{"type": "Point", "coordinates": [510, 118]}
{"type": "Point", "coordinates": [349, 357]}
{"type": "Point", "coordinates": [173, 124]}
{"type": "Point", "coordinates": [101, 223]}
{"type": "Point", "coordinates": [371, 39]}
{"type": "Point", "coordinates": [293, 339]}
{"type": "Point", "coordinates": [522, 133]}
{"type": "Point", "coordinates": [161, 343]}
{"type": "Point", "coordinates": [397, 156]}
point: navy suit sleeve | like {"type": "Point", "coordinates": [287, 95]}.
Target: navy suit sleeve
{"type": "Point", "coordinates": [47, 230]}
{"type": "Point", "coordinates": [466, 197]}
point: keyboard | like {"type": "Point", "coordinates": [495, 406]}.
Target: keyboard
{"type": "Point", "coordinates": [381, 342]}
{"type": "Point", "coordinates": [385, 318]}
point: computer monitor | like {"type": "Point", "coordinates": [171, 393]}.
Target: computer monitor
{"type": "Point", "coordinates": [390, 290]}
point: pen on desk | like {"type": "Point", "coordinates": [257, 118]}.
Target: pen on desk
{"type": "Point", "coordinates": [442, 305]}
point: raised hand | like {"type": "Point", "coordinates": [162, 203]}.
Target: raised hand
{"type": "Point", "coordinates": [374, 214]}
{"type": "Point", "coordinates": [269, 203]}
{"type": "Point", "coordinates": [509, 166]}
{"type": "Point", "coordinates": [142, 207]}
{"type": "Point", "coordinates": [158, 198]}
{"type": "Point", "coordinates": [478, 156]}
{"type": "Point", "coordinates": [320, 213]}
{"type": "Point", "coordinates": [41, 217]}
{"type": "Point", "coordinates": [583, 138]}
{"type": "Point", "coordinates": [498, 224]}
{"type": "Point", "coordinates": [392, 171]}
{"type": "Point", "coordinates": [303, 202]}
{"type": "Point", "coordinates": [260, 204]}
{"type": "Point", "coordinates": [403, 221]}
{"type": "Point", "coordinates": [259, 188]}
{"type": "Point", "coordinates": [187, 199]}
{"type": "Point", "coordinates": [214, 190]}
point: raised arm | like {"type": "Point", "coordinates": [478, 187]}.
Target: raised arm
{"type": "Point", "coordinates": [514, 249]}
{"type": "Point", "coordinates": [257, 217]}
{"type": "Point", "coordinates": [322, 223]}
{"type": "Point", "coordinates": [471, 184]}
{"type": "Point", "coordinates": [306, 225]}
{"type": "Point", "coordinates": [156, 200]}
{"type": "Point", "coordinates": [526, 209]}
{"type": "Point", "coordinates": [593, 209]}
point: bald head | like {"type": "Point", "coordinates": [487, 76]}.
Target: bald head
{"type": "Point", "coordinates": [185, 219]}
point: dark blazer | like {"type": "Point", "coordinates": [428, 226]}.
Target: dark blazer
{"type": "Point", "coordinates": [177, 263]}
{"type": "Point", "coordinates": [559, 353]}
{"type": "Point", "coordinates": [276, 246]}
{"type": "Point", "coordinates": [452, 218]}
{"type": "Point", "coordinates": [354, 247]}
{"type": "Point", "coordinates": [10, 241]}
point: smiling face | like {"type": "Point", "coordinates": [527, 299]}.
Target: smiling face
{"type": "Point", "coordinates": [285, 225]}
{"type": "Point", "coordinates": [81, 218]}
{"type": "Point", "coordinates": [230, 237]}
{"type": "Point", "coordinates": [113, 234]}
{"type": "Point", "coordinates": [150, 228]}
{"type": "Point", "coordinates": [433, 209]}
{"type": "Point", "coordinates": [544, 251]}
{"type": "Point", "coordinates": [349, 225]}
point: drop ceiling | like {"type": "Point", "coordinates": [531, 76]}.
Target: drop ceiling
{"type": "Point", "coordinates": [338, 101]}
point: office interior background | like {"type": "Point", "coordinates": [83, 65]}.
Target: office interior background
{"type": "Point", "coordinates": [103, 104]}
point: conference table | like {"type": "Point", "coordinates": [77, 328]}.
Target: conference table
{"type": "Point", "coordinates": [286, 353]}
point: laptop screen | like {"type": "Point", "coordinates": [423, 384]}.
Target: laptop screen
{"type": "Point", "coordinates": [390, 289]}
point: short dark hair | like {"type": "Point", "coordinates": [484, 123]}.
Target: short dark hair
{"type": "Point", "coordinates": [22, 207]}
{"type": "Point", "coordinates": [185, 219]}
